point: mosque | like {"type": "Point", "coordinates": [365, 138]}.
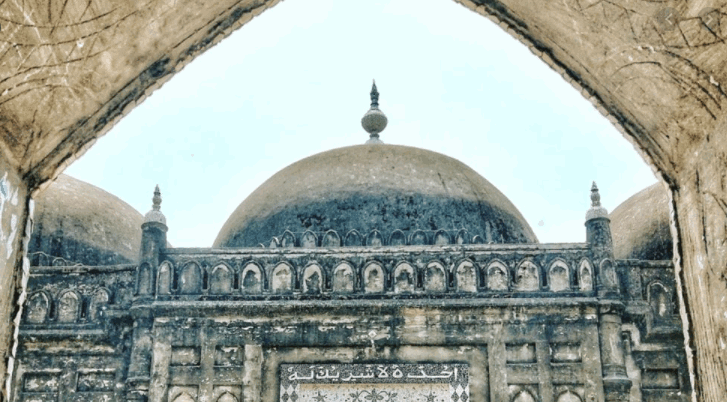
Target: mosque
{"type": "Point", "coordinates": [371, 273]}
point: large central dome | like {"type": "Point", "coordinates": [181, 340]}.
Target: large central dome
{"type": "Point", "coordinates": [409, 195]}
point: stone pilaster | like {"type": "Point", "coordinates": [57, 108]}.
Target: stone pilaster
{"type": "Point", "coordinates": [616, 383]}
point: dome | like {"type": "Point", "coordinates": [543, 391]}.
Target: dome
{"type": "Point", "coordinates": [406, 195]}
{"type": "Point", "coordinates": [640, 226]}
{"type": "Point", "coordinates": [83, 224]}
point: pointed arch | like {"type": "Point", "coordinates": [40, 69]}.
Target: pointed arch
{"type": "Point", "coordinates": [353, 239]}
{"type": "Point", "coordinates": [274, 243]}
{"type": "Point", "coordinates": [404, 278]}
{"type": "Point", "coordinates": [343, 278]}
{"type": "Point", "coordinates": [37, 308]}
{"type": "Point", "coordinates": [463, 237]}
{"type": "Point", "coordinates": [190, 279]}
{"type": "Point", "coordinates": [585, 276]}
{"type": "Point", "coordinates": [69, 307]}
{"type": "Point", "coordinates": [331, 239]}
{"type": "Point", "coordinates": [609, 277]}
{"type": "Point", "coordinates": [227, 397]}
{"type": "Point", "coordinates": [221, 280]}
{"type": "Point", "coordinates": [144, 281]}
{"type": "Point", "coordinates": [100, 299]}
{"type": "Point", "coordinates": [497, 276]}
{"type": "Point", "coordinates": [527, 277]}
{"type": "Point", "coordinates": [478, 240]}
{"type": "Point", "coordinates": [568, 396]}
{"type": "Point", "coordinates": [435, 279]}
{"type": "Point", "coordinates": [659, 299]}
{"type": "Point", "coordinates": [251, 281]}
{"type": "Point", "coordinates": [374, 239]}
{"type": "Point", "coordinates": [281, 281]}
{"type": "Point", "coordinates": [184, 397]}
{"type": "Point", "coordinates": [313, 279]}
{"type": "Point", "coordinates": [418, 238]}
{"type": "Point", "coordinates": [466, 277]}
{"type": "Point", "coordinates": [559, 276]}
{"type": "Point", "coordinates": [441, 238]}
{"type": "Point", "coordinates": [397, 238]}
{"type": "Point", "coordinates": [373, 278]}
{"type": "Point", "coordinates": [523, 396]}
{"type": "Point", "coordinates": [164, 278]}
{"type": "Point", "coordinates": [288, 240]}
{"type": "Point", "coordinates": [309, 240]}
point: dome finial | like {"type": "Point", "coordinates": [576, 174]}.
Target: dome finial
{"type": "Point", "coordinates": [374, 121]}
{"type": "Point", "coordinates": [374, 95]}
{"type": "Point", "coordinates": [156, 215]}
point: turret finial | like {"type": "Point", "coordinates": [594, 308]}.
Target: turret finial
{"type": "Point", "coordinates": [374, 121]}
{"type": "Point", "coordinates": [596, 210]}
{"type": "Point", "coordinates": [155, 214]}
{"type": "Point", "coordinates": [595, 196]}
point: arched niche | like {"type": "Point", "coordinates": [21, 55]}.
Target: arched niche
{"type": "Point", "coordinates": [559, 276]}
{"type": "Point", "coordinates": [404, 278]}
{"type": "Point", "coordinates": [288, 239]}
{"type": "Point", "coordinates": [37, 308]}
{"type": "Point", "coordinates": [397, 238]}
{"type": "Point", "coordinates": [523, 396]}
{"type": "Point", "coordinates": [373, 279]}
{"type": "Point", "coordinates": [99, 300]}
{"type": "Point", "coordinates": [441, 238]}
{"type": "Point", "coordinates": [281, 281]}
{"type": "Point", "coordinates": [478, 240]}
{"type": "Point", "coordinates": [309, 240]}
{"type": "Point", "coordinates": [608, 274]}
{"type": "Point", "coordinates": [221, 280]}
{"type": "Point", "coordinates": [497, 277]}
{"type": "Point", "coordinates": [466, 277]}
{"type": "Point", "coordinates": [527, 277]}
{"type": "Point", "coordinates": [343, 278]}
{"type": "Point", "coordinates": [145, 283]}
{"type": "Point", "coordinates": [312, 279]}
{"type": "Point", "coordinates": [331, 239]}
{"type": "Point", "coordinates": [227, 397]}
{"type": "Point", "coordinates": [585, 276]}
{"type": "Point", "coordinates": [659, 300]}
{"type": "Point", "coordinates": [184, 397]}
{"type": "Point", "coordinates": [353, 239]}
{"type": "Point", "coordinates": [190, 279]}
{"type": "Point", "coordinates": [274, 243]}
{"type": "Point", "coordinates": [463, 237]}
{"type": "Point", "coordinates": [251, 281]}
{"type": "Point", "coordinates": [374, 239]}
{"type": "Point", "coordinates": [568, 396]}
{"type": "Point", "coordinates": [164, 280]}
{"type": "Point", "coordinates": [435, 279]}
{"type": "Point", "coordinates": [69, 307]}
{"type": "Point", "coordinates": [418, 238]}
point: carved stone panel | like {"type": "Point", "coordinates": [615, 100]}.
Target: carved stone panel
{"type": "Point", "coordinates": [374, 382]}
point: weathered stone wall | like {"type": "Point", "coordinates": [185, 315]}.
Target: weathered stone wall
{"type": "Point", "coordinates": [15, 222]}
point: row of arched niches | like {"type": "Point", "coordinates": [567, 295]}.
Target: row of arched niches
{"type": "Point", "coordinates": [371, 277]}
{"type": "Point", "coordinates": [70, 306]}
{"type": "Point", "coordinates": [354, 238]}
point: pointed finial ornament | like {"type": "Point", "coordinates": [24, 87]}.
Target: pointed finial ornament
{"type": "Point", "coordinates": [374, 121]}
{"type": "Point", "coordinates": [596, 210]}
{"type": "Point", "coordinates": [156, 215]}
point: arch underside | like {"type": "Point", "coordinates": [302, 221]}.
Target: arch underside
{"type": "Point", "coordinates": [72, 68]}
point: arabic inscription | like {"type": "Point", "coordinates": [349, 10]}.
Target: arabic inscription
{"type": "Point", "coordinates": [428, 382]}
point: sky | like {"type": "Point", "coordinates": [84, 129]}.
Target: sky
{"type": "Point", "coordinates": [295, 81]}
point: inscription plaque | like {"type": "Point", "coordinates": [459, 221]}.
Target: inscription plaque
{"type": "Point", "coordinates": [428, 382]}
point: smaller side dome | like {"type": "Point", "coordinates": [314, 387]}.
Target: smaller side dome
{"type": "Point", "coordinates": [78, 223]}
{"type": "Point", "coordinates": [641, 228]}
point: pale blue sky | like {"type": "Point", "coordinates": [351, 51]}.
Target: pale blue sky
{"type": "Point", "coordinates": [295, 81]}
